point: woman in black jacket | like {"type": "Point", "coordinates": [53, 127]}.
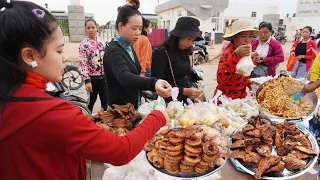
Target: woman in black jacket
{"type": "Point", "coordinates": [122, 67]}
{"type": "Point", "coordinates": [171, 60]}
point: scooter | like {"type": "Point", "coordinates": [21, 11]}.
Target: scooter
{"type": "Point", "coordinates": [72, 78]}
{"type": "Point", "coordinates": [282, 39]}
{"type": "Point", "coordinates": [199, 55]}
{"type": "Point", "coordinates": [56, 89]}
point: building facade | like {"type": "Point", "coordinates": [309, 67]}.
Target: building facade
{"type": "Point", "coordinates": [222, 13]}
{"type": "Point", "coordinates": [307, 14]}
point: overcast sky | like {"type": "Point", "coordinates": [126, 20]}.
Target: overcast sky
{"type": "Point", "coordinates": [106, 10]}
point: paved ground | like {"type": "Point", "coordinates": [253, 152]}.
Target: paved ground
{"type": "Point", "coordinates": [210, 69]}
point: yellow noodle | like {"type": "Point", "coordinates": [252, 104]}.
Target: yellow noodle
{"type": "Point", "coordinates": [275, 99]}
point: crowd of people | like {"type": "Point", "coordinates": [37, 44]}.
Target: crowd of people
{"type": "Point", "coordinates": [44, 137]}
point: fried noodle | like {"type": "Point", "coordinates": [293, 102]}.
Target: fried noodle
{"type": "Point", "coordinates": [276, 97]}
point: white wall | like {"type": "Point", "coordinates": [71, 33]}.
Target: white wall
{"type": "Point", "coordinates": [170, 15]}
{"type": "Point", "coordinates": [294, 23]}
{"type": "Point", "coordinates": [244, 10]}
{"type": "Point", "coordinates": [236, 10]}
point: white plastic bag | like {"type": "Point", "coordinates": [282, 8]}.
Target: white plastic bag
{"type": "Point", "coordinates": [136, 176]}
{"type": "Point", "coordinates": [116, 173]}
{"type": "Point", "coordinates": [175, 108]}
{"type": "Point", "coordinates": [245, 66]}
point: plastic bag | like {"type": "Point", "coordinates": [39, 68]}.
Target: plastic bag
{"type": "Point", "coordinates": [116, 173]}
{"type": "Point", "coordinates": [146, 108]}
{"type": "Point", "coordinates": [175, 108]}
{"type": "Point", "coordinates": [136, 176]}
{"type": "Point", "coordinates": [291, 63]}
{"type": "Point", "coordinates": [245, 66]}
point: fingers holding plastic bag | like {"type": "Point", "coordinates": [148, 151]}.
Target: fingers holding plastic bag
{"type": "Point", "coordinates": [245, 66]}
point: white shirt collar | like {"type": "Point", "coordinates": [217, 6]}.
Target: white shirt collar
{"type": "Point", "coordinates": [268, 42]}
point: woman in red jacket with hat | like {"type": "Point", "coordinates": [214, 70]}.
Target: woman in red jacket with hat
{"type": "Point", "coordinates": [42, 137]}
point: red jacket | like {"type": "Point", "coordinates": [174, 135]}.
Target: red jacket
{"type": "Point", "coordinates": [232, 84]}
{"type": "Point", "coordinates": [49, 139]}
{"type": "Point", "coordinates": [310, 54]}
{"type": "Point", "coordinates": [275, 55]}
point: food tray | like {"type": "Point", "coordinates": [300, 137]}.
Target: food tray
{"type": "Point", "coordinates": [310, 96]}
{"type": "Point", "coordinates": [286, 174]}
{"type": "Point", "coordinates": [186, 176]}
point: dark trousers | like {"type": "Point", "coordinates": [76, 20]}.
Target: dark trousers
{"type": "Point", "coordinates": [99, 86]}
{"type": "Point", "coordinates": [204, 49]}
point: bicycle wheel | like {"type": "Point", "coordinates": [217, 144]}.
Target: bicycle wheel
{"type": "Point", "coordinates": [83, 107]}
{"type": "Point", "coordinates": [72, 79]}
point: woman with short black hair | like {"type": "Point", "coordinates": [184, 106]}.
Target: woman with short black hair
{"type": "Point", "coordinates": [305, 50]}
{"type": "Point", "coordinates": [268, 52]}
{"type": "Point", "coordinates": [91, 52]}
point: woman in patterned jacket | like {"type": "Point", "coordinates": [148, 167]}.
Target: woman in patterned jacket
{"type": "Point", "coordinates": [232, 84]}
{"type": "Point", "coordinates": [91, 53]}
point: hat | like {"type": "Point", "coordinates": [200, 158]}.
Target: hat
{"type": "Point", "coordinates": [187, 26]}
{"type": "Point", "coordinates": [241, 26]}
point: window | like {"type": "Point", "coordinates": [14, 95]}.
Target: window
{"type": "Point", "coordinates": [179, 13]}
{"type": "Point", "coordinates": [254, 14]}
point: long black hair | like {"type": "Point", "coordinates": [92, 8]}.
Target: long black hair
{"type": "Point", "coordinates": [146, 23]}
{"type": "Point", "coordinates": [22, 24]}
{"type": "Point", "coordinates": [124, 13]}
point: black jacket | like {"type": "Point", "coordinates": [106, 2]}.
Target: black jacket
{"type": "Point", "coordinates": [123, 76]}
{"type": "Point", "coordinates": [180, 61]}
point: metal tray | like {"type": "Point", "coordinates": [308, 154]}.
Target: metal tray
{"type": "Point", "coordinates": [286, 174]}
{"type": "Point", "coordinates": [186, 176]}
{"type": "Point", "coordinates": [310, 96]}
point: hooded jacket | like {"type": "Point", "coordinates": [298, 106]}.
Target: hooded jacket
{"type": "Point", "coordinates": [50, 139]}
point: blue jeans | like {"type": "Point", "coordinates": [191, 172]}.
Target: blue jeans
{"type": "Point", "coordinates": [148, 72]}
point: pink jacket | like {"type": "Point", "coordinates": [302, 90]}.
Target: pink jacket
{"type": "Point", "coordinates": [275, 55]}
{"type": "Point", "coordinates": [91, 57]}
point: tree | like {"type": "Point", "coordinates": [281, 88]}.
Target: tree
{"type": "Point", "coordinates": [154, 24]}
{"type": "Point", "coordinates": [294, 15]}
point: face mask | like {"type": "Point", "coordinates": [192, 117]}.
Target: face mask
{"type": "Point", "coordinates": [150, 31]}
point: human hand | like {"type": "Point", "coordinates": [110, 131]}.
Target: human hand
{"type": "Point", "coordinates": [255, 54]}
{"type": "Point", "coordinates": [163, 88]}
{"type": "Point", "coordinates": [292, 54]}
{"type": "Point", "coordinates": [168, 119]}
{"type": "Point", "coordinates": [300, 57]}
{"type": "Point", "coordinates": [244, 50]}
{"type": "Point", "coordinates": [89, 87]}
{"type": "Point", "coordinates": [192, 93]}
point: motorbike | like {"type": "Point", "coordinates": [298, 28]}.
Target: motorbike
{"type": "Point", "coordinates": [56, 89]}
{"type": "Point", "coordinates": [72, 78]}
{"type": "Point", "coordinates": [282, 39]}
{"type": "Point", "coordinates": [199, 55]}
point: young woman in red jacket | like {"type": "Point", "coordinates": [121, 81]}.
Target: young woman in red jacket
{"type": "Point", "coordinates": [305, 50]}
{"type": "Point", "coordinates": [42, 137]}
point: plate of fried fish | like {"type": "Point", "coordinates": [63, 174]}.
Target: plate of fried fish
{"type": "Point", "coordinates": [273, 151]}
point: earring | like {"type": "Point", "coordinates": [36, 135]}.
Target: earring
{"type": "Point", "coordinates": [34, 64]}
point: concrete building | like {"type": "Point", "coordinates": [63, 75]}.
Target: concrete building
{"type": "Point", "coordinates": [307, 14]}
{"type": "Point", "coordinates": [151, 17]}
{"type": "Point", "coordinates": [215, 13]}
{"type": "Point", "coordinates": [171, 11]}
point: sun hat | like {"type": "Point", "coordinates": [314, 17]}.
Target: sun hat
{"type": "Point", "coordinates": [187, 26]}
{"type": "Point", "coordinates": [241, 26]}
